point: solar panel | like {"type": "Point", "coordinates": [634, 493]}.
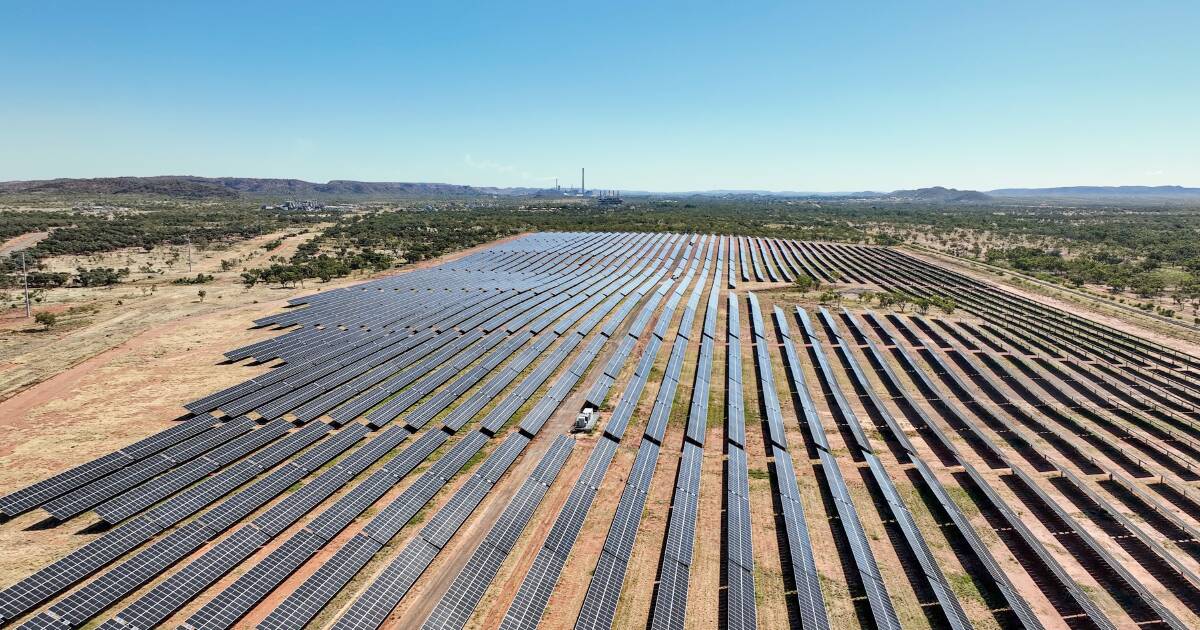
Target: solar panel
{"type": "Point", "coordinates": [372, 607]}
{"type": "Point", "coordinates": [168, 596]}
{"type": "Point", "coordinates": [303, 604]}
{"type": "Point", "coordinates": [102, 592]}
{"type": "Point", "coordinates": [231, 604]}
{"type": "Point", "coordinates": [37, 588]}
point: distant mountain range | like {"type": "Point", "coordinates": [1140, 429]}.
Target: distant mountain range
{"type": "Point", "coordinates": [189, 187]}
{"type": "Point", "coordinates": [204, 187]}
{"type": "Point", "coordinates": [1147, 193]}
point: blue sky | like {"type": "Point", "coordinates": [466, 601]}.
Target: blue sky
{"type": "Point", "coordinates": [647, 95]}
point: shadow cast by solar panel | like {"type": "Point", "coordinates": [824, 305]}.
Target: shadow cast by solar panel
{"type": "Point", "coordinates": [877, 327]}
{"type": "Point", "coordinates": [944, 455]}
{"type": "Point", "coordinates": [1149, 515]}
{"type": "Point", "coordinates": [956, 334]}
{"type": "Point", "coordinates": [47, 523]}
{"type": "Point", "coordinates": [859, 338]}
{"type": "Point", "coordinates": [1100, 443]}
{"type": "Point", "coordinates": [1023, 448]}
{"type": "Point", "coordinates": [987, 341]}
{"type": "Point", "coordinates": [885, 432]}
{"type": "Point", "coordinates": [1065, 448]}
{"type": "Point", "coordinates": [1177, 498]}
{"type": "Point", "coordinates": [904, 331]}
{"type": "Point", "coordinates": [839, 418]}
{"type": "Point", "coordinates": [928, 330]}
{"type": "Point", "coordinates": [982, 447]}
{"type": "Point", "coordinates": [99, 527]}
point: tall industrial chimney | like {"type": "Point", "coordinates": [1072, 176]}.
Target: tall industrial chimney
{"type": "Point", "coordinates": [582, 181]}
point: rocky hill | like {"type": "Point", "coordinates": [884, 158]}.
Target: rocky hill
{"type": "Point", "coordinates": [940, 194]}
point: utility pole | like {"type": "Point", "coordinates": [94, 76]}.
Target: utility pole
{"type": "Point", "coordinates": [189, 242]}
{"type": "Point", "coordinates": [25, 274]}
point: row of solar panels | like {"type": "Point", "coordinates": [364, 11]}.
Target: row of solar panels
{"type": "Point", "coordinates": [178, 478]}
{"type": "Point", "coordinates": [1048, 335]}
{"type": "Point", "coordinates": [809, 600]}
{"type": "Point", "coordinates": [422, 305]}
{"type": "Point", "coordinates": [775, 260]}
{"type": "Point", "coordinates": [516, 276]}
{"type": "Point", "coordinates": [1147, 443]}
{"type": "Point", "coordinates": [1154, 557]}
{"type": "Point", "coordinates": [965, 361]}
{"type": "Point", "coordinates": [604, 590]}
{"type": "Point", "coordinates": [118, 536]}
{"type": "Point", "coordinates": [459, 602]}
{"type": "Point", "coordinates": [669, 610]}
{"type": "Point", "coordinates": [1065, 443]}
{"type": "Point", "coordinates": [741, 610]}
{"type": "Point", "coordinates": [882, 610]}
{"type": "Point", "coordinates": [1162, 413]}
{"type": "Point", "coordinates": [1076, 431]}
{"type": "Point", "coordinates": [88, 496]}
{"type": "Point", "coordinates": [340, 310]}
{"type": "Point", "coordinates": [280, 375]}
{"type": "Point", "coordinates": [509, 312]}
{"type": "Point", "coordinates": [1018, 606]}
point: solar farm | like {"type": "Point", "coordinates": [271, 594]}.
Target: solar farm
{"type": "Point", "coordinates": [760, 460]}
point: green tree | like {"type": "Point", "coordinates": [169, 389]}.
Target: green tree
{"type": "Point", "coordinates": [830, 297]}
{"type": "Point", "coordinates": [202, 293]}
{"type": "Point", "coordinates": [46, 319]}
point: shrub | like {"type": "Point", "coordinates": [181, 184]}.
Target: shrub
{"type": "Point", "coordinates": [46, 319]}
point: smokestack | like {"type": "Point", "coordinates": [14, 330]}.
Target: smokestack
{"type": "Point", "coordinates": [582, 181]}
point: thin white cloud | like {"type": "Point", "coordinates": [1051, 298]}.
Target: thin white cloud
{"type": "Point", "coordinates": [504, 169]}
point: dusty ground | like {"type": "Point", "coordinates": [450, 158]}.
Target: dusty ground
{"type": "Point", "coordinates": [142, 303]}
{"type": "Point", "coordinates": [24, 241]}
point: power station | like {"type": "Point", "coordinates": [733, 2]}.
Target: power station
{"type": "Point", "coordinates": [603, 197]}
